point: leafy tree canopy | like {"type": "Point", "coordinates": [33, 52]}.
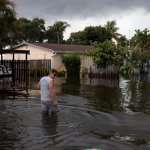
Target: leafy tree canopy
{"type": "Point", "coordinates": [105, 54]}
{"type": "Point", "coordinates": [7, 17]}
{"type": "Point", "coordinates": [89, 35]}
{"type": "Point", "coordinates": [57, 30]}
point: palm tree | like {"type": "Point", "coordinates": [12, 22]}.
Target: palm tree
{"type": "Point", "coordinates": [112, 29]}
{"type": "Point", "coordinates": [59, 27]}
{"type": "Point", "coordinates": [7, 16]}
{"type": "Point", "coordinates": [141, 42]}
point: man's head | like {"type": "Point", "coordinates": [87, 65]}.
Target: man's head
{"type": "Point", "coordinates": [53, 73]}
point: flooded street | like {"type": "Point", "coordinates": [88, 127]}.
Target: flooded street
{"type": "Point", "coordinates": [97, 113]}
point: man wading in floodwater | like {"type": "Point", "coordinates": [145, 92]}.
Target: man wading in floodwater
{"type": "Point", "coordinates": [49, 103]}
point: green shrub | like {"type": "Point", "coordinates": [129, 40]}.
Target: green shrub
{"type": "Point", "coordinates": [72, 64]}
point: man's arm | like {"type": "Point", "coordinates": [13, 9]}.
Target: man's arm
{"type": "Point", "coordinates": [52, 93]}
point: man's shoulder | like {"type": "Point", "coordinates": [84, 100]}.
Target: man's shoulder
{"type": "Point", "coordinates": [43, 77]}
{"type": "Point", "coordinates": [46, 78]}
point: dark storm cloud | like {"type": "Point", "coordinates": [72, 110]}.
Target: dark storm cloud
{"type": "Point", "coordinates": [77, 8]}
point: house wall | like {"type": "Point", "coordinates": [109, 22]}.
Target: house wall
{"type": "Point", "coordinates": [35, 53]}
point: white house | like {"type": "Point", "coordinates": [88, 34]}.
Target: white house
{"type": "Point", "coordinates": [49, 51]}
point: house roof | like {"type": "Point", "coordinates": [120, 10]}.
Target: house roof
{"type": "Point", "coordinates": [64, 47]}
{"type": "Point", "coordinates": [59, 48]}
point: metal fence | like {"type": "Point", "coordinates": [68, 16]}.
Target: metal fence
{"type": "Point", "coordinates": [20, 68]}
{"type": "Point", "coordinates": [22, 71]}
{"type": "Point", "coordinates": [39, 68]}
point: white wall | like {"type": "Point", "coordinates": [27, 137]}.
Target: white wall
{"type": "Point", "coordinates": [35, 53]}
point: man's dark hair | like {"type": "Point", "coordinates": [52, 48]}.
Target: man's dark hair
{"type": "Point", "coordinates": [53, 70]}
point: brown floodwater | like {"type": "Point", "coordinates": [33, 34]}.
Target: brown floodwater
{"type": "Point", "coordinates": [107, 114]}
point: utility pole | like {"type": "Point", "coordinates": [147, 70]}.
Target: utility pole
{"type": "Point", "coordinates": [10, 35]}
{"type": "Point", "coordinates": [129, 39]}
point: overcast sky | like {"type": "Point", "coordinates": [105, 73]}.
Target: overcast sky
{"type": "Point", "coordinates": [129, 14]}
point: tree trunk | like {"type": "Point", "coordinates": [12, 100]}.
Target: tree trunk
{"type": "Point", "coordinates": [142, 68]}
{"type": "Point", "coordinates": [58, 41]}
